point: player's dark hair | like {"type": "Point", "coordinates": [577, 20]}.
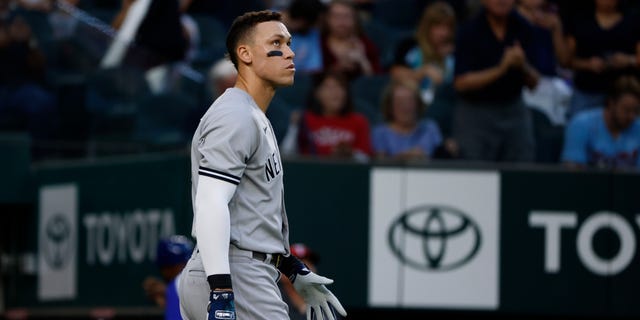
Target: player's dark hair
{"type": "Point", "coordinates": [626, 84]}
{"type": "Point", "coordinates": [318, 79]}
{"type": "Point", "coordinates": [242, 27]}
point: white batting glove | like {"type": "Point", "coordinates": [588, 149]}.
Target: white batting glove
{"type": "Point", "coordinates": [318, 298]}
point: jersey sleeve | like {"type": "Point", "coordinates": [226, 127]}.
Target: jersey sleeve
{"type": "Point", "coordinates": [575, 142]}
{"type": "Point", "coordinates": [227, 141]}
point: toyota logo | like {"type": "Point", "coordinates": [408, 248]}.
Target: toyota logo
{"type": "Point", "coordinates": [434, 238]}
{"type": "Point", "coordinates": [57, 246]}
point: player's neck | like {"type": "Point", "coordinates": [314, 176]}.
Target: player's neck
{"type": "Point", "coordinates": [260, 91]}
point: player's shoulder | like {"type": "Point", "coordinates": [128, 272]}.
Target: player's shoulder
{"type": "Point", "coordinates": [234, 106]}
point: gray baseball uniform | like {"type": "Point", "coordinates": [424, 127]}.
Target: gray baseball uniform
{"type": "Point", "coordinates": [234, 142]}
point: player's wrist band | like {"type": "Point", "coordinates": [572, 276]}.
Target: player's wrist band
{"type": "Point", "coordinates": [219, 281]}
{"type": "Point", "coordinates": [291, 266]}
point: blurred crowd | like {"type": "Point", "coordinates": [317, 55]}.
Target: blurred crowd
{"type": "Point", "coordinates": [509, 81]}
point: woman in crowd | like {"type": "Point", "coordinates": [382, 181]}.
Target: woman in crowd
{"type": "Point", "coordinates": [330, 126]}
{"type": "Point", "coordinates": [427, 56]}
{"type": "Point", "coordinates": [603, 45]}
{"type": "Point", "coordinates": [405, 133]}
{"type": "Point", "coordinates": [345, 47]}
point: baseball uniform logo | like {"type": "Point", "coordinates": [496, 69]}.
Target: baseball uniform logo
{"type": "Point", "coordinates": [434, 238]}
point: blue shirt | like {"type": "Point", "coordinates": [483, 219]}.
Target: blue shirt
{"type": "Point", "coordinates": [172, 309]}
{"type": "Point", "coordinates": [308, 51]}
{"type": "Point", "coordinates": [426, 136]}
{"type": "Point", "coordinates": [588, 141]}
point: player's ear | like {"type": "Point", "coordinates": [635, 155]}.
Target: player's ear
{"type": "Point", "coordinates": [244, 54]}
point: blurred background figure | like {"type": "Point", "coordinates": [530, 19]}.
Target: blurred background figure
{"type": "Point", "coordinates": [150, 36]}
{"type": "Point", "coordinates": [609, 137]}
{"type": "Point", "coordinates": [603, 45]}
{"type": "Point", "coordinates": [301, 18]}
{"type": "Point", "coordinates": [222, 75]}
{"type": "Point", "coordinates": [345, 46]}
{"type": "Point", "coordinates": [493, 63]}
{"type": "Point", "coordinates": [329, 126]}
{"type": "Point", "coordinates": [427, 56]}
{"type": "Point", "coordinates": [405, 135]}
{"type": "Point", "coordinates": [552, 94]}
{"type": "Point", "coordinates": [172, 255]}
{"type": "Point", "coordinates": [297, 306]}
{"type": "Point", "coordinates": [26, 102]}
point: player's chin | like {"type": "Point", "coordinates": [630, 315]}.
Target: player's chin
{"type": "Point", "coordinates": [285, 81]}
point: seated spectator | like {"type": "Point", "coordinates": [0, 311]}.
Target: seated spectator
{"type": "Point", "coordinates": [26, 104]}
{"type": "Point", "coordinates": [345, 47]}
{"type": "Point", "coordinates": [427, 57]}
{"type": "Point", "coordinates": [405, 135]}
{"type": "Point", "coordinates": [172, 254]}
{"type": "Point", "coordinates": [301, 18]}
{"type": "Point", "coordinates": [330, 127]}
{"type": "Point", "coordinates": [222, 75]}
{"type": "Point", "coordinates": [493, 64]}
{"type": "Point", "coordinates": [603, 45]}
{"type": "Point", "coordinates": [607, 137]}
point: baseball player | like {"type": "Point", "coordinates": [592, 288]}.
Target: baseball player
{"type": "Point", "coordinates": [239, 222]}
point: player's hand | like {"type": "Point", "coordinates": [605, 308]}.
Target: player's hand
{"type": "Point", "coordinates": [318, 298]}
{"type": "Point", "coordinates": [221, 305]}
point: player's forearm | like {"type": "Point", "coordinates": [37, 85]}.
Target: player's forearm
{"type": "Point", "coordinates": [213, 227]}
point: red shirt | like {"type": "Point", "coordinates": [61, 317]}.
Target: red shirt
{"type": "Point", "coordinates": [320, 134]}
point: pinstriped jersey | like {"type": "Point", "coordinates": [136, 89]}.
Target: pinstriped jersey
{"type": "Point", "coordinates": [235, 143]}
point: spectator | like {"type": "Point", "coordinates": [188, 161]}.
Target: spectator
{"type": "Point", "coordinates": [155, 30]}
{"type": "Point", "coordinates": [172, 255]}
{"type": "Point", "coordinates": [63, 24]}
{"type": "Point", "coordinates": [427, 56]}
{"type": "Point", "coordinates": [330, 126]}
{"type": "Point", "coordinates": [190, 29]}
{"type": "Point", "coordinates": [297, 306]}
{"type": "Point", "coordinates": [603, 45]}
{"type": "Point", "coordinates": [345, 47]}
{"type": "Point", "coordinates": [222, 75]}
{"type": "Point", "coordinates": [405, 135]}
{"type": "Point", "coordinates": [607, 137]}
{"type": "Point", "coordinates": [493, 54]}
{"type": "Point", "coordinates": [553, 93]}
{"type": "Point", "coordinates": [26, 104]}
{"type": "Point", "coordinates": [301, 18]}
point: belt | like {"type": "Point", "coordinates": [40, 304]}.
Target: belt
{"type": "Point", "coordinates": [274, 259]}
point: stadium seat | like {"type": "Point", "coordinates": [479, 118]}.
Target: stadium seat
{"type": "Point", "coordinates": [296, 95]}
{"type": "Point", "coordinates": [212, 40]}
{"type": "Point", "coordinates": [549, 138]}
{"type": "Point", "coordinates": [386, 38]}
{"type": "Point", "coordinates": [161, 120]}
{"type": "Point", "coordinates": [366, 92]}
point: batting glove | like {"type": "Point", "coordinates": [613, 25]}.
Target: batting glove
{"type": "Point", "coordinates": [318, 298]}
{"type": "Point", "coordinates": [221, 305]}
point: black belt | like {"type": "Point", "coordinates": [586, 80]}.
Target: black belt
{"type": "Point", "coordinates": [276, 258]}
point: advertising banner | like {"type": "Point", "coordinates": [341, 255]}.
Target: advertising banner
{"type": "Point", "coordinates": [571, 248]}
{"type": "Point", "coordinates": [434, 239]}
{"type": "Point", "coordinates": [57, 234]}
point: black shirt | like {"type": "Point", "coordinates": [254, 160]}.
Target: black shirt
{"type": "Point", "coordinates": [594, 41]}
{"type": "Point", "coordinates": [477, 49]}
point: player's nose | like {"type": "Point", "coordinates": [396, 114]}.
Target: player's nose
{"type": "Point", "coordinates": [288, 53]}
